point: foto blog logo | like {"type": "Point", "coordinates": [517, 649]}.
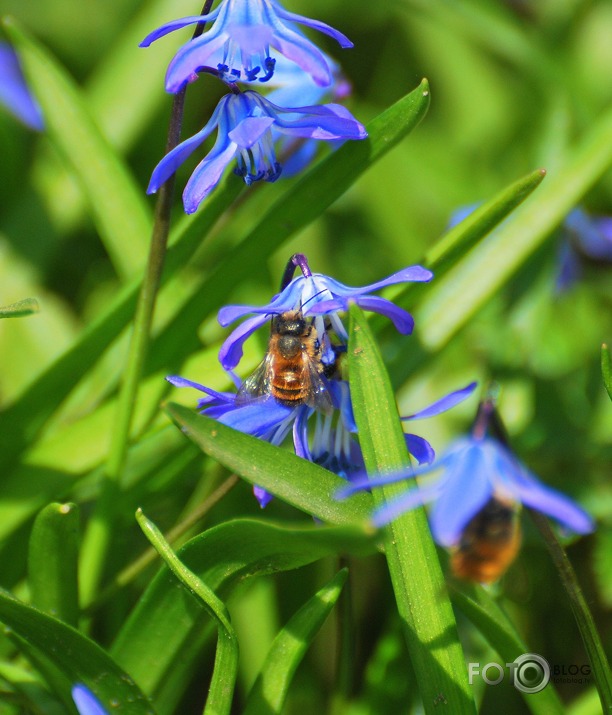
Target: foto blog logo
{"type": "Point", "coordinates": [529, 673]}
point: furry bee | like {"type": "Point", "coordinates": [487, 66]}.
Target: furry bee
{"type": "Point", "coordinates": [291, 371]}
{"type": "Point", "coordinates": [489, 543]}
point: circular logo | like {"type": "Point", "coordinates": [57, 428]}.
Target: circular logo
{"type": "Point", "coordinates": [530, 673]}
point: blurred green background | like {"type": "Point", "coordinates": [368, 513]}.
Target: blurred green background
{"type": "Point", "coordinates": [514, 87]}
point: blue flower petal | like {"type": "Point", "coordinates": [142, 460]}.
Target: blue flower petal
{"type": "Point", "coordinates": [466, 490]}
{"type": "Point", "coordinates": [341, 39]}
{"type": "Point", "coordinates": [173, 159]}
{"type": "Point", "coordinates": [257, 418]}
{"type": "Point", "coordinates": [412, 498]}
{"type": "Point", "coordinates": [206, 176]}
{"type": "Point", "coordinates": [176, 25]}
{"type": "Point", "coordinates": [444, 404]}
{"type": "Point", "coordinates": [262, 496]}
{"type": "Point", "coordinates": [300, 434]}
{"type": "Point", "coordinates": [14, 92]}
{"type": "Point", "coordinates": [86, 703]}
{"type": "Point", "coordinates": [420, 449]}
{"type": "Point", "coordinates": [401, 319]}
{"type": "Point", "coordinates": [231, 352]}
{"type": "Point", "coordinates": [549, 501]}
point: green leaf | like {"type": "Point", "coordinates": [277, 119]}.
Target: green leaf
{"type": "Point", "coordinates": [27, 306]}
{"type": "Point", "coordinates": [418, 583]}
{"type": "Point", "coordinates": [502, 636]}
{"type": "Point", "coordinates": [118, 205]}
{"type": "Point", "coordinates": [269, 691]}
{"type": "Point", "coordinates": [167, 628]}
{"type": "Point", "coordinates": [52, 562]}
{"type": "Point", "coordinates": [79, 659]}
{"type": "Point", "coordinates": [296, 481]}
{"type": "Point", "coordinates": [464, 236]}
{"type": "Point", "coordinates": [480, 275]}
{"type": "Point", "coordinates": [606, 369]}
{"type": "Point", "coordinates": [223, 681]}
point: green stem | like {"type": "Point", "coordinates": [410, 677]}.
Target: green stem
{"type": "Point", "coordinates": [581, 611]}
{"type": "Point", "coordinates": [226, 659]}
{"type": "Point", "coordinates": [99, 531]}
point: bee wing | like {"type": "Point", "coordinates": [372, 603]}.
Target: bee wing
{"type": "Point", "coordinates": [319, 395]}
{"type": "Point", "coordinates": [258, 384]}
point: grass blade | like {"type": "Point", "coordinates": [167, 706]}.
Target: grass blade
{"type": "Point", "coordinates": [418, 583]}
{"type": "Point", "coordinates": [117, 204]}
{"type": "Point", "coordinates": [269, 691]}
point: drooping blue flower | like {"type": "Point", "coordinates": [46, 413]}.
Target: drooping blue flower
{"type": "Point", "coordinates": [86, 703]}
{"type": "Point", "coordinates": [14, 92]}
{"type": "Point", "coordinates": [323, 298]}
{"type": "Point", "coordinates": [475, 469]}
{"type": "Point", "coordinates": [247, 127]}
{"type": "Point", "coordinates": [245, 30]}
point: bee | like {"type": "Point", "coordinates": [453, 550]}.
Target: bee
{"type": "Point", "coordinates": [292, 371]}
{"type": "Point", "coordinates": [489, 543]}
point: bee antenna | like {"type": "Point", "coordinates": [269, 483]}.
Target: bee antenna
{"type": "Point", "coordinates": [312, 297]}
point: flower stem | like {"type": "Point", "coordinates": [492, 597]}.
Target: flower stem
{"type": "Point", "coordinates": [580, 609]}
{"type": "Point", "coordinates": [99, 532]}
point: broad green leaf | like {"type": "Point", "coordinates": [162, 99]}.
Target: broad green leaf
{"type": "Point", "coordinates": [27, 306]}
{"type": "Point", "coordinates": [468, 286]}
{"type": "Point", "coordinates": [80, 659]}
{"type": "Point", "coordinates": [418, 583]}
{"type": "Point", "coordinates": [117, 204]}
{"type": "Point", "coordinates": [296, 481]}
{"type": "Point", "coordinates": [52, 562]}
{"type": "Point", "coordinates": [223, 681]}
{"type": "Point", "coordinates": [502, 636]}
{"type": "Point", "coordinates": [288, 649]}
{"type": "Point", "coordinates": [167, 626]}
{"type": "Point", "coordinates": [606, 369]}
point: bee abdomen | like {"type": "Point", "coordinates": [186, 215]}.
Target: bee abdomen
{"type": "Point", "coordinates": [288, 387]}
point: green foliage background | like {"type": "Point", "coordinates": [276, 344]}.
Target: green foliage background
{"type": "Point", "coordinates": [513, 87]}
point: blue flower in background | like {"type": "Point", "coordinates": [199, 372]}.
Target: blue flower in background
{"type": "Point", "coordinates": [85, 702]}
{"type": "Point", "coordinates": [14, 93]}
{"type": "Point", "coordinates": [323, 298]}
{"type": "Point", "coordinates": [245, 30]}
{"type": "Point", "coordinates": [475, 469]}
{"type": "Point", "coordinates": [247, 126]}
{"type": "Point", "coordinates": [584, 238]}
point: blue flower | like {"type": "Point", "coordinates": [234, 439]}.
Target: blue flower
{"type": "Point", "coordinates": [323, 298]}
{"type": "Point", "coordinates": [245, 30]}
{"type": "Point", "coordinates": [14, 93]}
{"type": "Point", "coordinates": [476, 469]}
{"type": "Point", "coordinates": [248, 125]}
{"type": "Point", "coordinates": [86, 703]}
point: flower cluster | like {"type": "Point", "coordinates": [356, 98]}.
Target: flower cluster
{"type": "Point", "coordinates": [260, 409]}
{"type": "Point", "coordinates": [256, 43]}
